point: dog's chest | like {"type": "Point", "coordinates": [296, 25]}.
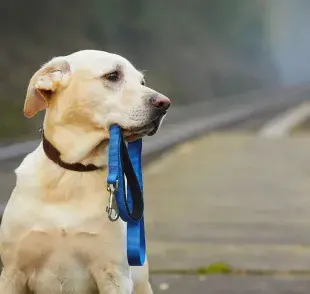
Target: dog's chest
{"type": "Point", "coordinates": [74, 217]}
{"type": "Point", "coordinates": [69, 216]}
{"type": "Point", "coordinates": [78, 231]}
{"type": "Point", "coordinates": [77, 219]}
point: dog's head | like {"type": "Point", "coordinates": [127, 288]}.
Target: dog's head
{"type": "Point", "coordinates": [93, 90]}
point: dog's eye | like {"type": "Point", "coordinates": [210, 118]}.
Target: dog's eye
{"type": "Point", "coordinates": [113, 76]}
{"type": "Point", "coordinates": [143, 82]}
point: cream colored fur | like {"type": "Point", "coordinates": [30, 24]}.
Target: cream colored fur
{"type": "Point", "coordinates": [55, 235]}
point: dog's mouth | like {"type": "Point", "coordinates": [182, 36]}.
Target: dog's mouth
{"type": "Point", "coordinates": [149, 129]}
{"type": "Point", "coordinates": [155, 126]}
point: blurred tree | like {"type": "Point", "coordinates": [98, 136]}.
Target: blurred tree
{"type": "Point", "coordinates": [194, 50]}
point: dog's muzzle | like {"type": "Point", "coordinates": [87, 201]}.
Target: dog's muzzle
{"type": "Point", "coordinates": [160, 103]}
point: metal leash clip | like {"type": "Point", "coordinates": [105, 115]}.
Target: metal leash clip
{"type": "Point", "coordinates": [112, 209]}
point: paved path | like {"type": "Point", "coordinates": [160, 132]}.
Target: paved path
{"type": "Point", "coordinates": [230, 285]}
{"type": "Point", "coordinates": [235, 198]}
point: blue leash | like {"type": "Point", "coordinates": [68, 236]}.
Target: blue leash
{"type": "Point", "coordinates": [127, 161]}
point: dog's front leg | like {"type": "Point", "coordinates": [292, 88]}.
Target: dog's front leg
{"type": "Point", "coordinates": [140, 277]}
{"type": "Point", "coordinates": [110, 282]}
{"type": "Point", "coordinates": [142, 288]}
{"type": "Point", "coordinates": [13, 281]}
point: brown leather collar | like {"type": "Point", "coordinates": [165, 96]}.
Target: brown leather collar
{"type": "Point", "coordinates": [54, 155]}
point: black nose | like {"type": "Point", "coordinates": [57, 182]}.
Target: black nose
{"type": "Point", "coordinates": [161, 102]}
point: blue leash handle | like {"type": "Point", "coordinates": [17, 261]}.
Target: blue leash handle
{"type": "Point", "coordinates": [130, 208]}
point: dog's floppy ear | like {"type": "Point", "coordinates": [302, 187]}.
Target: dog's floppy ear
{"type": "Point", "coordinates": [45, 82]}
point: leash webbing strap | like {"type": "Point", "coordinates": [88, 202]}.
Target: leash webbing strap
{"type": "Point", "coordinates": [128, 161]}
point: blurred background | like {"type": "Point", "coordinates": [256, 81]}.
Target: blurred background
{"type": "Point", "coordinates": [238, 74]}
{"type": "Point", "coordinates": [192, 50]}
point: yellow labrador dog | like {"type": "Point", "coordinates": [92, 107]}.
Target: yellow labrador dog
{"type": "Point", "coordinates": [55, 234]}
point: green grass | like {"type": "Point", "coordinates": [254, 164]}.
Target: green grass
{"type": "Point", "coordinates": [215, 268]}
{"type": "Point", "coordinates": [218, 268]}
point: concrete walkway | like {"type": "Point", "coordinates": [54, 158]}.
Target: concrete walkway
{"type": "Point", "coordinates": [235, 198]}
{"type": "Point", "coordinates": [177, 284]}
